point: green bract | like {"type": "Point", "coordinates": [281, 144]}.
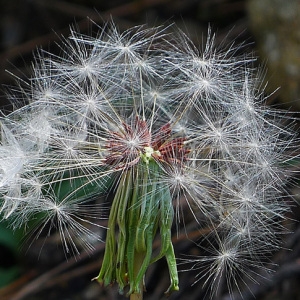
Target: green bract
{"type": "Point", "coordinates": [141, 207]}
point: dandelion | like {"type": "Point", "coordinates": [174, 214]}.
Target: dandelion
{"type": "Point", "coordinates": [155, 121]}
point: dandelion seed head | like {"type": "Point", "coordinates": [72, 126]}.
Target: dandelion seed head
{"type": "Point", "coordinates": [164, 127]}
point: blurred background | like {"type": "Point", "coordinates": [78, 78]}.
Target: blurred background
{"type": "Point", "coordinates": [269, 28]}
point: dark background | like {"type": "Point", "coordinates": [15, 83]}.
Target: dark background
{"type": "Point", "coordinates": [270, 31]}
